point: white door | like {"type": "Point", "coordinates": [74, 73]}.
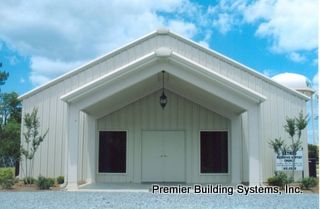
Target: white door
{"type": "Point", "coordinates": [163, 156]}
{"type": "Point", "coordinates": [151, 156]}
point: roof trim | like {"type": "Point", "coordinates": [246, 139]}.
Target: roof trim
{"type": "Point", "coordinates": [175, 57]}
{"type": "Point", "coordinates": [148, 36]}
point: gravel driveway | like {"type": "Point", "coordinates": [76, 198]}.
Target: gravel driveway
{"type": "Point", "coordinates": [87, 200]}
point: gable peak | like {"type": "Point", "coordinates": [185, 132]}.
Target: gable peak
{"type": "Point", "coordinates": [163, 31]}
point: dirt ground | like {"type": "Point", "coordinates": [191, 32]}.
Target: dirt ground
{"type": "Point", "coordinates": [21, 187]}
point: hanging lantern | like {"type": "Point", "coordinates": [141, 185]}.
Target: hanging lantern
{"type": "Point", "coordinates": [163, 97]}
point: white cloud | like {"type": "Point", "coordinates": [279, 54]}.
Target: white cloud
{"type": "Point", "coordinates": [13, 60]}
{"type": "Point", "coordinates": [185, 29]}
{"type": "Point", "coordinates": [43, 69]}
{"type": "Point", "coordinates": [291, 25]}
{"type": "Point", "coordinates": [224, 22]}
{"type": "Point", "coordinates": [268, 72]}
{"type": "Point", "coordinates": [225, 15]}
{"type": "Point", "coordinates": [22, 80]}
{"type": "Point", "coordinates": [59, 34]}
{"type": "Point", "coordinates": [296, 57]}
{"type": "Point", "coordinates": [206, 39]}
{"type": "Point", "coordinates": [204, 44]}
{"type": "Point", "coordinates": [38, 79]}
{"type": "Point", "coordinates": [261, 9]}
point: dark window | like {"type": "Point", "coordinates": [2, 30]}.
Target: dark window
{"type": "Point", "coordinates": [112, 151]}
{"type": "Point", "coordinates": [214, 151]}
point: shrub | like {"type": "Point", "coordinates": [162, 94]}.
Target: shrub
{"type": "Point", "coordinates": [51, 181]}
{"type": "Point", "coordinates": [280, 180]}
{"type": "Point", "coordinates": [29, 180]}
{"type": "Point", "coordinates": [60, 179]}
{"type": "Point", "coordinates": [7, 178]}
{"type": "Point", "coordinates": [16, 180]}
{"type": "Point", "coordinates": [309, 182]}
{"type": "Point", "coordinates": [45, 183]}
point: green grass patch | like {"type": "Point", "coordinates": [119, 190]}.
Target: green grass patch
{"type": "Point", "coordinates": [12, 168]}
{"type": "Point", "coordinates": [7, 178]}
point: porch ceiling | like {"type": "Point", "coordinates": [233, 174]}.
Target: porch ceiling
{"type": "Point", "coordinates": [153, 84]}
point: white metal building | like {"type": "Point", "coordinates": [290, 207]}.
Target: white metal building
{"type": "Point", "coordinates": [106, 124]}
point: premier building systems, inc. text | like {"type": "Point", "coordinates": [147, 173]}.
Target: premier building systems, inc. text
{"type": "Point", "coordinates": [220, 189]}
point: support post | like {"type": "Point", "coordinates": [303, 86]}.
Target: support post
{"type": "Point", "coordinates": [91, 130]}
{"type": "Point", "coordinates": [72, 140]}
{"type": "Point", "coordinates": [254, 138]}
{"type": "Point", "coordinates": [236, 149]}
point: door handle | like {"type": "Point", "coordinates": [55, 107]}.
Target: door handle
{"type": "Point", "coordinates": [163, 155]}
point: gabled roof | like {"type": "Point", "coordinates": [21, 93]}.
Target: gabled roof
{"type": "Point", "coordinates": [160, 54]}
{"type": "Point", "coordinates": [148, 36]}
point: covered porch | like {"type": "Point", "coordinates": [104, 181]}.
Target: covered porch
{"type": "Point", "coordinates": [185, 79]}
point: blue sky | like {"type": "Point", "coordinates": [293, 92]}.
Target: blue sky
{"type": "Point", "coordinates": [41, 40]}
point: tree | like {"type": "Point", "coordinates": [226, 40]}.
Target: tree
{"type": "Point", "coordinates": [33, 139]}
{"type": "Point", "coordinates": [277, 145]}
{"type": "Point", "coordinates": [10, 144]}
{"type": "Point", "coordinates": [3, 76]}
{"type": "Point", "coordinates": [300, 123]}
{"type": "Point", "coordinates": [10, 120]}
{"type": "Point", "coordinates": [10, 108]}
{"type": "Point", "coordinates": [294, 128]}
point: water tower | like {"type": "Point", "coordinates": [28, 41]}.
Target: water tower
{"type": "Point", "coordinates": [301, 84]}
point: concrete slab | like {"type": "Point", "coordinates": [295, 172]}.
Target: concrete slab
{"type": "Point", "coordinates": [115, 187]}
{"type": "Point", "coordinates": [122, 187]}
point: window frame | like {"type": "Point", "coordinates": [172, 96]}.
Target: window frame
{"type": "Point", "coordinates": [199, 153]}
{"type": "Point", "coordinates": [98, 147]}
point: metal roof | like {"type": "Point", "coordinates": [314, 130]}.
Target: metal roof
{"type": "Point", "coordinates": [148, 36]}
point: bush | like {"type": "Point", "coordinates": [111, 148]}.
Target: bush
{"type": "Point", "coordinates": [60, 179]}
{"type": "Point", "coordinates": [309, 182]}
{"type": "Point", "coordinates": [279, 180]}
{"type": "Point", "coordinates": [16, 180]}
{"type": "Point", "coordinates": [7, 178]}
{"type": "Point", "coordinates": [51, 181]}
{"type": "Point", "coordinates": [29, 180]}
{"type": "Point", "coordinates": [45, 183]}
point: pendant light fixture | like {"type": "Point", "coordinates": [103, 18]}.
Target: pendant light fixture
{"type": "Point", "coordinates": [163, 97]}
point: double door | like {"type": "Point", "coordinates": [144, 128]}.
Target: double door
{"type": "Point", "coordinates": [163, 156]}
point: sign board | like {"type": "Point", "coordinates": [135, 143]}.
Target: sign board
{"type": "Point", "coordinates": [284, 162]}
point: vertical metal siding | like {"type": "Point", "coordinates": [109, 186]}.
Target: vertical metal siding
{"type": "Point", "coordinates": [50, 159]}
{"type": "Point", "coordinates": [146, 114]}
